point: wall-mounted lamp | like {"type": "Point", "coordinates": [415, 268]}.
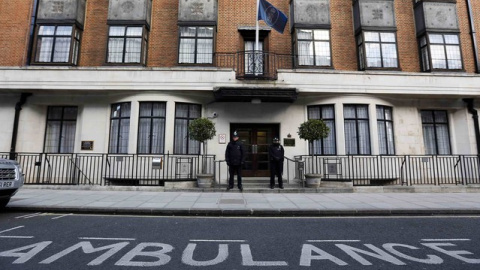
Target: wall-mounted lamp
{"type": "Point", "coordinates": [256, 101]}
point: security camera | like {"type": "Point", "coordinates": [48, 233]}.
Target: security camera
{"type": "Point", "coordinates": [214, 115]}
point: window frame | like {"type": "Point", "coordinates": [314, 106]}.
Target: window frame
{"type": "Point", "coordinates": [332, 132]}
{"type": "Point", "coordinates": [189, 119]}
{"type": "Point", "coordinates": [390, 152]}
{"type": "Point", "coordinates": [361, 50]}
{"type": "Point", "coordinates": [143, 47]}
{"type": "Point", "coordinates": [424, 43]}
{"type": "Point", "coordinates": [357, 119]}
{"type": "Point", "coordinates": [74, 46]}
{"type": "Point", "coordinates": [436, 137]}
{"type": "Point", "coordinates": [118, 135]}
{"type": "Point", "coordinates": [62, 121]}
{"type": "Point", "coordinates": [152, 118]}
{"type": "Point", "coordinates": [297, 41]}
{"type": "Point", "coordinates": [196, 38]}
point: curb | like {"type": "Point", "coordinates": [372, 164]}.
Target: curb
{"type": "Point", "coordinates": [248, 212]}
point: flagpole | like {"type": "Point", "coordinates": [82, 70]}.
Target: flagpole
{"type": "Point", "coordinates": [256, 28]}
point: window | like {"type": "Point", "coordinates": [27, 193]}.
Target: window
{"type": "Point", "coordinates": [313, 47]}
{"type": "Point", "coordinates": [196, 45]}
{"type": "Point", "coordinates": [61, 127]}
{"type": "Point", "coordinates": [436, 136]}
{"type": "Point", "coordinates": [184, 113]}
{"type": "Point", "coordinates": [119, 128]}
{"type": "Point", "coordinates": [127, 45]}
{"type": "Point", "coordinates": [357, 131]}
{"type": "Point", "coordinates": [385, 130]}
{"type": "Point", "coordinates": [58, 44]}
{"type": "Point", "coordinates": [151, 128]}
{"type": "Point", "coordinates": [325, 146]}
{"type": "Point", "coordinates": [440, 52]}
{"type": "Point", "coordinates": [377, 50]}
{"type": "Point", "coordinates": [253, 58]}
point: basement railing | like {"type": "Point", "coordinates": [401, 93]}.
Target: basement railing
{"type": "Point", "coordinates": [155, 170]}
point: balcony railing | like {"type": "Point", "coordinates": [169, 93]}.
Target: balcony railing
{"type": "Point", "coordinates": [253, 65]}
{"type": "Point", "coordinates": [156, 170]}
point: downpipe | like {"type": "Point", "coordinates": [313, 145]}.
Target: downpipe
{"type": "Point", "coordinates": [474, 37]}
{"type": "Point", "coordinates": [474, 114]}
{"type": "Point", "coordinates": [18, 108]}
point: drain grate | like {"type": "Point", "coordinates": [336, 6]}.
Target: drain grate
{"type": "Point", "coordinates": [231, 201]}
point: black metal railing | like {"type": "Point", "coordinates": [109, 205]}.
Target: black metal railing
{"type": "Point", "coordinates": [154, 170]}
{"type": "Point", "coordinates": [397, 170]}
{"type": "Point", "coordinates": [110, 169]}
{"type": "Point", "coordinates": [258, 65]}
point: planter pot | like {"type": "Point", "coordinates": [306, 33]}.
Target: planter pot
{"type": "Point", "coordinates": [205, 180]}
{"type": "Point", "coordinates": [313, 180]}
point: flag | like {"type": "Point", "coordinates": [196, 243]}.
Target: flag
{"type": "Point", "coordinates": [272, 16]}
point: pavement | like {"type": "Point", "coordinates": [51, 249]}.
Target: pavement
{"type": "Point", "coordinates": [356, 201]}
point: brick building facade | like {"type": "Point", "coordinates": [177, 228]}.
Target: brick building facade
{"type": "Point", "coordinates": [390, 77]}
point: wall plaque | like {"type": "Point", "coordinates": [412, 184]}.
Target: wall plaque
{"type": "Point", "coordinates": [64, 10]}
{"type": "Point", "coordinates": [288, 142]}
{"type": "Point", "coordinates": [374, 13]}
{"type": "Point", "coordinates": [130, 10]}
{"type": "Point", "coordinates": [87, 145]}
{"type": "Point", "coordinates": [314, 12]}
{"type": "Point", "coordinates": [197, 10]}
{"type": "Point", "coordinates": [440, 15]}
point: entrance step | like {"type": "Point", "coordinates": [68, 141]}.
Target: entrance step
{"type": "Point", "coordinates": [248, 181]}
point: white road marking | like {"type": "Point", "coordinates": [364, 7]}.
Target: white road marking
{"type": "Point", "coordinates": [444, 240]}
{"type": "Point", "coordinates": [332, 241]}
{"type": "Point", "coordinates": [102, 238]}
{"type": "Point", "coordinates": [19, 237]}
{"type": "Point", "coordinates": [30, 215]}
{"type": "Point", "coordinates": [206, 240]}
{"type": "Point", "coordinates": [12, 229]}
{"type": "Point", "coordinates": [63, 216]}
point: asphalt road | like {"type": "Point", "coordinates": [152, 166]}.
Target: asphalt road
{"type": "Point", "coordinates": [70, 241]}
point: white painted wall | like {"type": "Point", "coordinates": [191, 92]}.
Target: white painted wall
{"type": "Point", "coordinates": [7, 115]}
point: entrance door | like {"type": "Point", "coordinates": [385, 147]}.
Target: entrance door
{"type": "Point", "coordinates": [256, 138]}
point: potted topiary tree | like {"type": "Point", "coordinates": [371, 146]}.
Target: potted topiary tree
{"type": "Point", "coordinates": [312, 130]}
{"type": "Point", "coordinates": [202, 130]}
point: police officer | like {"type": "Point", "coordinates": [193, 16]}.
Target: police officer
{"type": "Point", "coordinates": [235, 157]}
{"type": "Point", "coordinates": [276, 154]}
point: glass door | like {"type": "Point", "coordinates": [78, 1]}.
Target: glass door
{"type": "Point", "coordinates": [256, 138]}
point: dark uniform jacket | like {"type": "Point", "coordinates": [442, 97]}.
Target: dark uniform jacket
{"type": "Point", "coordinates": [276, 152]}
{"type": "Point", "coordinates": [235, 154]}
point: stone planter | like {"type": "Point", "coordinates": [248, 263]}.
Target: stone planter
{"type": "Point", "coordinates": [205, 180]}
{"type": "Point", "coordinates": [313, 180]}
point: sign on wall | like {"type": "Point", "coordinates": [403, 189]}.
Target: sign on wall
{"type": "Point", "coordinates": [87, 145]}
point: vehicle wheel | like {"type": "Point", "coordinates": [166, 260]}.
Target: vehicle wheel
{"type": "Point", "coordinates": [4, 202]}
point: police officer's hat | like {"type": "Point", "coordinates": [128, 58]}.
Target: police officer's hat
{"type": "Point", "coordinates": [235, 134]}
{"type": "Point", "coordinates": [276, 139]}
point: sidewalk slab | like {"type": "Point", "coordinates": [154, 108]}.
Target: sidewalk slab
{"type": "Point", "coordinates": [359, 201]}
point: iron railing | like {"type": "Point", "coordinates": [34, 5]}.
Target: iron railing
{"type": "Point", "coordinates": [396, 170]}
{"type": "Point", "coordinates": [155, 170]}
{"type": "Point", "coordinates": [110, 169]}
{"type": "Point", "coordinates": [254, 64]}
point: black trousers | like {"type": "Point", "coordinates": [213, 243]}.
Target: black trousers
{"type": "Point", "coordinates": [276, 169]}
{"type": "Point", "coordinates": [232, 169]}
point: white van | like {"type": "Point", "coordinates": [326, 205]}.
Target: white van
{"type": "Point", "coordinates": [11, 179]}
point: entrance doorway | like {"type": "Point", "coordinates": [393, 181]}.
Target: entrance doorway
{"type": "Point", "coordinates": [256, 138]}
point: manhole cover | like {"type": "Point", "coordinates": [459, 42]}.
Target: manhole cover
{"type": "Point", "coordinates": [231, 201]}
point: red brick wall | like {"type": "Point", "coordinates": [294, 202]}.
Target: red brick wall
{"type": "Point", "coordinates": [232, 14]}
{"type": "Point", "coordinates": [14, 31]}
